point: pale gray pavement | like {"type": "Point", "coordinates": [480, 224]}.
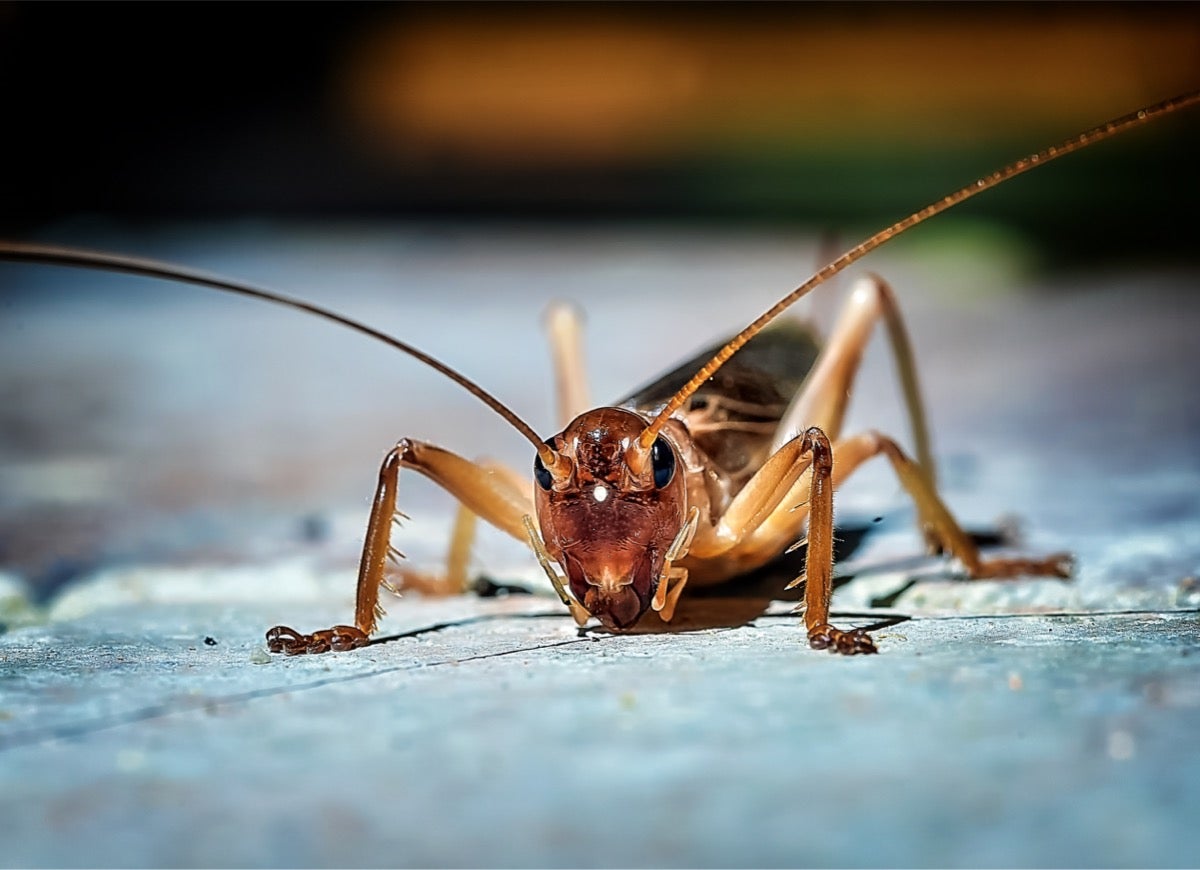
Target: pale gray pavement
{"type": "Point", "coordinates": [200, 468]}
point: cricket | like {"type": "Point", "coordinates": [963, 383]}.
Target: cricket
{"type": "Point", "coordinates": [706, 473]}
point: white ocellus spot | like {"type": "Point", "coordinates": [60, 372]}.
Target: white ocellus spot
{"type": "Point", "coordinates": [600, 493]}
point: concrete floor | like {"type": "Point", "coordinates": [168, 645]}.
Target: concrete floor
{"type": "Point", "coordinates": [195, 469]}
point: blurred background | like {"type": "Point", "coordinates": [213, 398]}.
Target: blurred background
{"type": "Point", "coordinates": [442, 171]}
{"type": "Point", "coordinates": [832, 116]}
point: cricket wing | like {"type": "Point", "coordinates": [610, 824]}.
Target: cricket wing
{"type": "Point", "coordinates": [733, 417]}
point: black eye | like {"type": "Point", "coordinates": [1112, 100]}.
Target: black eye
{"type": "Point", "coordinates": [662, 460]}
{"type": "Point", "coordinates": [541, 473]}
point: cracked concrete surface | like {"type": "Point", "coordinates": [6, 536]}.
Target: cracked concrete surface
{"type": "Point", "coordinates": [204, 483]}
{"type": "Point", "coordinates": [504, 738]}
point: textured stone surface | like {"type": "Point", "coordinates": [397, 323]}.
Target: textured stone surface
{"type": "Point", "coordinates": [197, 468]}
{"type": "Point", "coordinates": [505, 738]}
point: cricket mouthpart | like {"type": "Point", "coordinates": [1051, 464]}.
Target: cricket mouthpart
{"type": "Point", "coordinates": [615, 587]}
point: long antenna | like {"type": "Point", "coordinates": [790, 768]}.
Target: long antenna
{"type": "Point", "coordinates": [58, 256]}
{"type": "Point", "coordinates": [1096, 134]}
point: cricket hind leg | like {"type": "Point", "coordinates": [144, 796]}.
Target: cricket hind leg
{"type": "Point", "coordinates": [481, 490]}
{"type": "Point", "coordinates": [797, 483]}
{"type": "Point", "coordinates": [823, 400]}
{"type": "Point", "coordinates": [830, 467]}
{"type": "Point", "coordinates": [937, 522]}
{"type": "Point", "coordinates": [564, 331]}
{"type": "Point", "coordinates": [822, 403]}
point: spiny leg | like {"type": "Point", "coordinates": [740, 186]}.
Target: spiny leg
{"type": "Point", "coordinates": [480, 490]}
{"type": "Point", "coordinates": [818, 563]}
{"type": "Point", "coordinates": [754, 503]}
{"type": "Point", "coordinates": [796, 483]}
{"type": "Point", "coordinates": [935, 518]}
{"type": "Point", "coordinates": [822, 403]}
{"type": "Point", "coordinates": [810, 495]}
{"type": "Point", "coordinates": [765, 502]}
{"type": "Point", "coordinates": [455, 579]}
{"type": "Point", "coordinates": [769, 513]}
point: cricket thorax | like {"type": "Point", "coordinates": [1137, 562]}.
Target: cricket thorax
{"type": "Point", "coordinates": [611, 520]}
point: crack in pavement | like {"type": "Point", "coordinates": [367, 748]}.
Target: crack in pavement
{"type": "Point", "coordinates": [47, 734]}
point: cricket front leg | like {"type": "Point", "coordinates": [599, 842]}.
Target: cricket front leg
{"type": "Point", "coordinates": [482, 490]}
{"type": "Point", "coordinates": [818, 562]}
{"type": "Point", "coordinates": [795, 483]}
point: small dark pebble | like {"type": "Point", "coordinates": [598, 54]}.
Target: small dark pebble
{"type": "Point", "coordinates": [210, 641]}
{"type": "Point", "coordinates": [314, 529]}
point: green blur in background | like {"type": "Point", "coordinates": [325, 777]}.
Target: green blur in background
{"type": "Point", "coordinates": [840, 118]}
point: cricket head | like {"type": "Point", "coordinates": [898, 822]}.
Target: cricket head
{"type": "Point", "coordinates": [611, 512]}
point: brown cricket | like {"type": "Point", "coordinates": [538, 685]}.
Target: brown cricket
{"type": "Point", "coordinates": [709, 472]}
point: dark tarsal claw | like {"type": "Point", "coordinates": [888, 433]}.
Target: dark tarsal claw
{"type": "Point", "coordinates": [857, 642]}
{"type": "Point", "coordinates": [1060, 565]}
{"type": "Point", "coordinates": [819, 637]}
{"type": "Point", "coordinates": [340, 638]}
{"type": "Point", "coordinates": [282, 639]}
{"type": "Point", "coordinates": [344, 637]}
{"type": "Point", "coordinates": [847, 643]}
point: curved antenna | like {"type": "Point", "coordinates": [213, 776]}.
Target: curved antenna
{"type": "Point", "coordinates": [59, 256]}
{"type": "Point", "coordinates": [1096, 134]}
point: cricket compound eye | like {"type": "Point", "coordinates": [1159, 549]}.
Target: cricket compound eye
{"type": "Point", "coordinates": [662, 460]}
{"type": "Point", "coordinates": [542, 474]}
